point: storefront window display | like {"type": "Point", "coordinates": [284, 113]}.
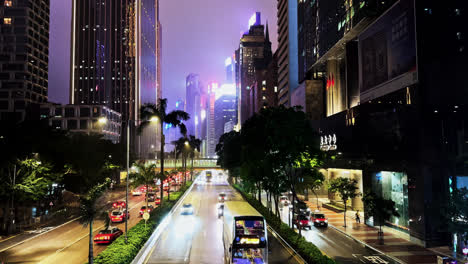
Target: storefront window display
{"type": "Point", "coordinates": [394, 186]}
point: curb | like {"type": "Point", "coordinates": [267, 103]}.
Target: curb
{"type": "Point", "coordinates": [365, 244]}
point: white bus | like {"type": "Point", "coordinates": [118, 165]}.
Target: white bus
{"type": "Point", "coordinates": [246, 241]}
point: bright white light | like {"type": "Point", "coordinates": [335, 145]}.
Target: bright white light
{"type": "Point", "coordinates": [196, 120]}
{"type": "Point", "coordinates": [225, 89]}
{"type": "Point", "coordinates": [252, 20]}
{"type": "Point", "coordinates": [154, 119]}
{"type": "Point", "coordinates": [102, 120]}
{"type": "Point", "coordinates": [228, 61]}
{"type": "Point", "coordinates": [203, 114]}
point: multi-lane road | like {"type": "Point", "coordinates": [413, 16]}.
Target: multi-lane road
{"type": "Point", "coordinates": [193, 238]}
{"type": "Point", "coordinates": [198, 238]}
{"type": "Point", "coordinates": [66, 244]}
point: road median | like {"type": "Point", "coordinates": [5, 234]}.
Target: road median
{"type": "Point", "coordinates": [139, 235]}
{"type": "Point", "coordinates": [307, 250]}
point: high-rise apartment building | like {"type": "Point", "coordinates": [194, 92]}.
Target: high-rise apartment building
{"type": "Point", "coordinates": [24, 56]}
{"type": "Point", "coordinates": [254, 49]}
{"type": "Point", "coordinates": [287, 50]}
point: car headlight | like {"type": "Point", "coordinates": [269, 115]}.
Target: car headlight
{"type": "Point", "coordinates": [326, 221]}
{"type": "Point", "coordinates": [316, 221]}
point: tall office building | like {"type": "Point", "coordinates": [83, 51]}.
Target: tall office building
{"type": "Point", "coordinates": [24, 56]}
{"type": "Point", "coordinates": [287, 50]}
{"type": "Point", "coordinates": [230, 65]}
{"type": "Point", "coordinates": [192, 106]}
{"type": "Point", "coordinates": [211, 140]}
{"type": "Point", "coordinates": [225, 108]}
{"type": "Point", "coordinates": [114, 58]}
{"type": "Point", "coordinates": [253, 48]}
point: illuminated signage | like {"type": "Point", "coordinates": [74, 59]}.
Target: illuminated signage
{"type": "Point", "coordinates": [328, 142]}
{"type": "Point", "coordinates": [249, 240]}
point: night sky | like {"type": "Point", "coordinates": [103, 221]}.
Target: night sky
{"type": "Point", "coordinates": [198, 35]}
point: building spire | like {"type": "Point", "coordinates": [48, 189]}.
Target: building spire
{"type": "Point", "coordinates": [267, 33]}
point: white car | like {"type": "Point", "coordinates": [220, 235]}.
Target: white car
{"type": "Point", "coordinates": [187, 209]}
{"type": "Point", "coordinates": [136, 192]}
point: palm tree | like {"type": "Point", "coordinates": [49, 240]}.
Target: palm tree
{"type": "Point", "coordinates": [89, 211]}
{"type": "Point", "coordinates": [145, 175]}
{"type": "Point", "coordinates": [182, 148]}
{"type": "Point", "coordinates": [150, 111]}
{"type": "Point", "coordinates": [195, 144]}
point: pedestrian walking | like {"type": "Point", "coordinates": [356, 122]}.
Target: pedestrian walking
{"type": "Point", "coordinates": [358, 219]}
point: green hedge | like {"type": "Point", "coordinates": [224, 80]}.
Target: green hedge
{"type": "Point", "coordinates": [120, 253]}
{"type": "Point", "coordinates": [308, 251]}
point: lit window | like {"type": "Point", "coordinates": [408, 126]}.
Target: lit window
{"type": "Point", "coordinates": [8, 3]}
{"type": "Point", "coordinates": [7, 21]}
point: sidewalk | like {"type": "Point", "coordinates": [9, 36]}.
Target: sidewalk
{"type": "Point", "coordinates": [394, 245]}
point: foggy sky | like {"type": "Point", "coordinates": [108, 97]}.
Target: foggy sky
{"type": "Point", "coordinates": [198, 35]}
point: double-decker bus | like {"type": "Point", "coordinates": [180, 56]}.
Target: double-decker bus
{"type": "Point", "coordinates": [246, 241]}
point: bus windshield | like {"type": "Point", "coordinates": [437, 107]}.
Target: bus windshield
{"type": "Point", "coordinates": [249, 256]}
{"type": "Point", "coordinates": [249, 227]}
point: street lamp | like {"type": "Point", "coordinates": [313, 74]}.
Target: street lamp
{"type": "Point", "coordinates": [102, 120]}
{"type": "Point", "coordinates": [153, 119]}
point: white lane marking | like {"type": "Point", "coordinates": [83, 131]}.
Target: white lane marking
{"type": "Point", "coordinates": [76, 241]}
{"type": "Point", "coordinates": [47, 231]}
{"type": "Point", "coordinates": [26, 240]}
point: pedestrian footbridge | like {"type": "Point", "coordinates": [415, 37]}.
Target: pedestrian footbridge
{"type": "Point", "coordinates": [198, 164]}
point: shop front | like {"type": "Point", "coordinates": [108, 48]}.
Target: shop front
{"type": "Point", "coordinates": [393, 186]}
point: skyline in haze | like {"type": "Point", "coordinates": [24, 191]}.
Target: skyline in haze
{"type": "Point", "coordinates": [196, 39]}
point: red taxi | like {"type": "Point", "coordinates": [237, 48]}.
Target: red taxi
{"type": "Point", "coordinates": [107, 236]}
{"type": "Point", "coordinates": [118, 216]}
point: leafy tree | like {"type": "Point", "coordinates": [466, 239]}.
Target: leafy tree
{"type": "Point", "coordinates": [175, 118]}
{"type": "Point", "coordinates": [26, 180]}
{"type": "Point", "coordinates": [378, 207]}
{"type": "Point", "coordinates": [182, 149]}
{"type": "Point", "coordinates": [145, 175]}
{"type": "Point", "coordinates": [312, 180]}
{"type": "Point", "coordinates": [89, 211]}
{"type": "Point", "coordinates": [228, 151]}
{"type": "Point", "coordinates": [88, 168]}
{"type": "Point", "coordinates": [347, 188]}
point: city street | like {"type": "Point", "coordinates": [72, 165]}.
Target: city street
{"type": "Point", "coordinates": [67, 243]}
{"type": "Point", "coordinates": [336, 245]}
{"type": "Point", "coordinates": [198, 238]}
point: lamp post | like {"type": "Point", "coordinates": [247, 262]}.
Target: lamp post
{"type": "Point", "coordinates": [153, 119]}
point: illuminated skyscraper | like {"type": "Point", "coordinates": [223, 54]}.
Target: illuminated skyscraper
{"type": "Point", "coordinates": [254, 49]}
{"type": "Point", "coordinates": [114, 58]}
{"type": "Point", "coordinates": [211, 139]}
{"type": "Point", "coordinates": [192, 106]}
{"type": "Point", "coordinates": [225, 108]}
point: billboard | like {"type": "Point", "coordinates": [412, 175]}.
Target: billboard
{"type": "Point", "coordinates": [387, 52]}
